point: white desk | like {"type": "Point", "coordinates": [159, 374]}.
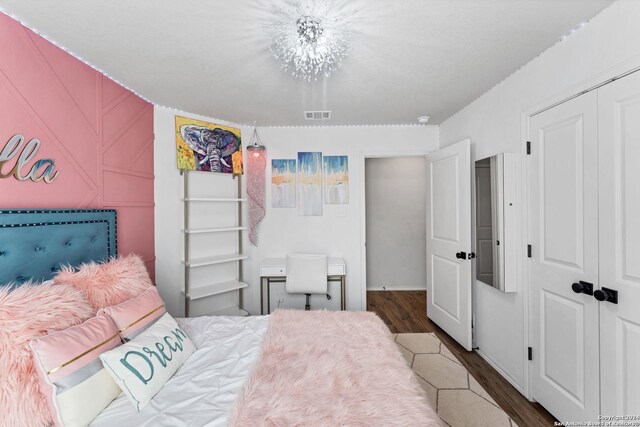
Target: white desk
{"type": "Point", "coordinates": [274, 270]}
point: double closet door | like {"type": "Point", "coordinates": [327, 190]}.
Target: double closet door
{"type": "Point", "coordinates": [584, 220]}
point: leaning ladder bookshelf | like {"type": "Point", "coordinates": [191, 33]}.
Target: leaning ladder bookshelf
{"type": "Point", "coordinates": [191, 262]}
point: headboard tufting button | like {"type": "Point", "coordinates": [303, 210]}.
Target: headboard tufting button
{"type": "Point", "coordinates": [68, 243]}
{"type": "Point", "coordinates": [93, 239]}
{"type": "Point", "coordinates": [40, 249]}
{"type": "Point", "coordinates": [3, 253]}
{"type": "Point", "coordinates": [21, 279]}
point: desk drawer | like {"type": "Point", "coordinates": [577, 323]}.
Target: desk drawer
{"type": "Point", "coordinates": [272, 270]}
{"type": "Point", "coordinates": [336, 270]}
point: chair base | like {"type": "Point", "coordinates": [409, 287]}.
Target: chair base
{"type": "Point", "coordinates": [307, 306]}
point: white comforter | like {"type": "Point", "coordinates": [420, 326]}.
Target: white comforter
{"type": "Point", "coordinates": [205, 388]}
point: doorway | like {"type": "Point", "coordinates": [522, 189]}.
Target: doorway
{"type": "Point", "coordinates": [395, 239]}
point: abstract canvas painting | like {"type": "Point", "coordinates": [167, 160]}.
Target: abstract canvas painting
{"type": "Point", "coordinates": [283, 183]}
{"type": "Point", "coordinates": [309, 184]}
{"type": "Point", "coordinates": [203, 146]}
{"type": "Point", "coordinates": [336, 180]}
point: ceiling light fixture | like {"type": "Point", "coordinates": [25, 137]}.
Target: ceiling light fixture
{"type": "Point", "coordinates": [255, 147]}
{"type": "Point", "coordinates": [256, 166]}
{"type": "Point", "coordinates": [310, 40]}
{"type": "Point", "coordinates": [423, 120]}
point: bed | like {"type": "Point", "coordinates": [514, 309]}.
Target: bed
{"type": "Point", "coordinates": [288, 368]}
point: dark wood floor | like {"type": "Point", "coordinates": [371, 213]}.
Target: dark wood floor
{"type": "Point", "coordinates": [405, 311]}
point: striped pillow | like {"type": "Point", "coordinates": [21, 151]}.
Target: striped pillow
{"type": "Point", "coordinates": [137, 314]}
{"type": "Point", "coordinates": [71, 373]}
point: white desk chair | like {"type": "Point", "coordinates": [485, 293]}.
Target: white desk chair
{"type": "Point", "coordinates": [307, 274]}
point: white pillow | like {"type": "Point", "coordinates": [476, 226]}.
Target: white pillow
{"type": "Point", "coordinates": [143, 365]}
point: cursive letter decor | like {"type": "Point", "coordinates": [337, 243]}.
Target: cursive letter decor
{"type": "Point", "coordinates": [149, 356]}
{"type": "Point", "coordinates": [42, 170]}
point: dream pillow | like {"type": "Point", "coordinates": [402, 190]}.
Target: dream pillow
{"type": "Point", "coordinates": [143, 365]}
{"type": "Point", "coordinates": [71, 374]}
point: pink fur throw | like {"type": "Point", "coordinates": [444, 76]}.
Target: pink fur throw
{"type": "Point", "coordinates": [28, 312]}
{"type": "Point", "coordinates": [108, 283]}
{"type": "Point", "coordinates": [324, 368]}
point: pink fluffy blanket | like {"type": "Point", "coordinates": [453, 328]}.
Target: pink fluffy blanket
{"type": "Point", "coordinates": [324, 368]}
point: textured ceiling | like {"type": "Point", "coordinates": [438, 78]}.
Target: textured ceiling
{"type": "Point", "coordinates": [408, 57]}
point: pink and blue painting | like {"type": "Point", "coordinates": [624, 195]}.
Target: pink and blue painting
{"type": "Point", "coordinates": [336, 180]}
{"type": "Point", "coordinates": [309, 184]}
{"type": "Point", "coordinates": [283, 183]}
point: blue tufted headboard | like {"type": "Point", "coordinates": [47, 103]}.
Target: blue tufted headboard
{"type": "Point", "coordinates": [35, 243]}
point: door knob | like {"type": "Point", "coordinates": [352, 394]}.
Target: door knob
{"type": "Point", "coordinates": [461, 255]}
{"type": "Point", "coordinates": [582, 288]}
{"type": "Point", "coordinates": [606, 294]}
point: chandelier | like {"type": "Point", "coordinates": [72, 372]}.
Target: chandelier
{"type": "Point", "coordinates": [310, 40]}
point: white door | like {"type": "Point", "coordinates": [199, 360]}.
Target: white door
{"type": "Point", "coordinates": [448, 238]}
{"type": "Point", "coordinates": [564, 240]}
{"type": "Point", "coordinates": [619, 149]}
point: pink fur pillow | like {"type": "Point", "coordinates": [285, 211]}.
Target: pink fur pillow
{"type": "Point", "coordinates": [28, 312]}
{"type": "Point", "coordinates": [108, 283]}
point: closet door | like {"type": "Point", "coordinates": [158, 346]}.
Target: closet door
{"type": "Point", "coordinates": [619, 157]}
{"type": "Point", "coordinates": [564, 239]}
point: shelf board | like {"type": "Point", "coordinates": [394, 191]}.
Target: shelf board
{"type": "Point", "coordinates": [218, 259]}
{"type": "Point", "coordinates": [230, 311]}
{"type": "Point", "coordinates": [199, 292]}
{"type": "Point", "coordinates": [213, 199]}
{"type": "Point", "coordinates": [212, 230]}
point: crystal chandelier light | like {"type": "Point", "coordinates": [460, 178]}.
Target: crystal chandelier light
{"type": "Point", "coordinates": [310, 40]}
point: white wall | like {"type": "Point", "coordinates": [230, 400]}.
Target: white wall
{"type": "Point", "coordinates": [283, 231]}
{"type": "Point", "coordinates": [606, 46]}
{"type": "Point", "coordinates": [169, 219]}
{"type": "Point", "coordinates": [396, 190]}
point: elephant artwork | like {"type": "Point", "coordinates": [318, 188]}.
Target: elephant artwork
{"type": "Point", "coordinates": [208, 147]}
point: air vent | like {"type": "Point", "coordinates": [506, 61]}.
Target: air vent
{"type": "Point", "coordinates": [317, 115]}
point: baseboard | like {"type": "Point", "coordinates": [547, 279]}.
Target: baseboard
{"type": "Point", "coordinates": [403, 288]}
{"type": "Point", "coordinates": [506, 376]}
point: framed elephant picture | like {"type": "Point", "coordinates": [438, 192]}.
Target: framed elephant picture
{"type": "Point", "coordinates": [203, 146]}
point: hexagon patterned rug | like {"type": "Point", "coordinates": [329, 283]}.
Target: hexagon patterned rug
{"type": "Point", "coordinates": [457, 397]}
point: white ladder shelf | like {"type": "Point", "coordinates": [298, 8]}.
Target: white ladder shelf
{"type": "Point", "coordinates": [192, 293]}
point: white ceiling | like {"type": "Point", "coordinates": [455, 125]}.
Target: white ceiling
{"type": "Point", "coordinates": [408, 57]}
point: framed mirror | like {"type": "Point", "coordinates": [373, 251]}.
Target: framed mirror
{"type": "Point", "coordinates": [495, 248]}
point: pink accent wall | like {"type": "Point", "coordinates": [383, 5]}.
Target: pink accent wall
{"type": "Point", "coordinates": [99, 134]}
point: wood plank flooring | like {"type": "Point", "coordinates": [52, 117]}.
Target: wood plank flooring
{"type": "Point", "coordinates": [405, 311]}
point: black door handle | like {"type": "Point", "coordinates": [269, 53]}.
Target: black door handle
{"type": "Point", "coordinates": [461, 255]}
{"type": "Point", "coordinates": [606, 294]}
{"type": "Point", "coordinates": [582, 288]}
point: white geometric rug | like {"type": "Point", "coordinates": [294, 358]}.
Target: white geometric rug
{"type": "Point", "coordinates": [457, 397]}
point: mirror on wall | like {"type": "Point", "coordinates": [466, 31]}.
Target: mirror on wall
{"type": "Point", "coordinates": [495, 179]}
